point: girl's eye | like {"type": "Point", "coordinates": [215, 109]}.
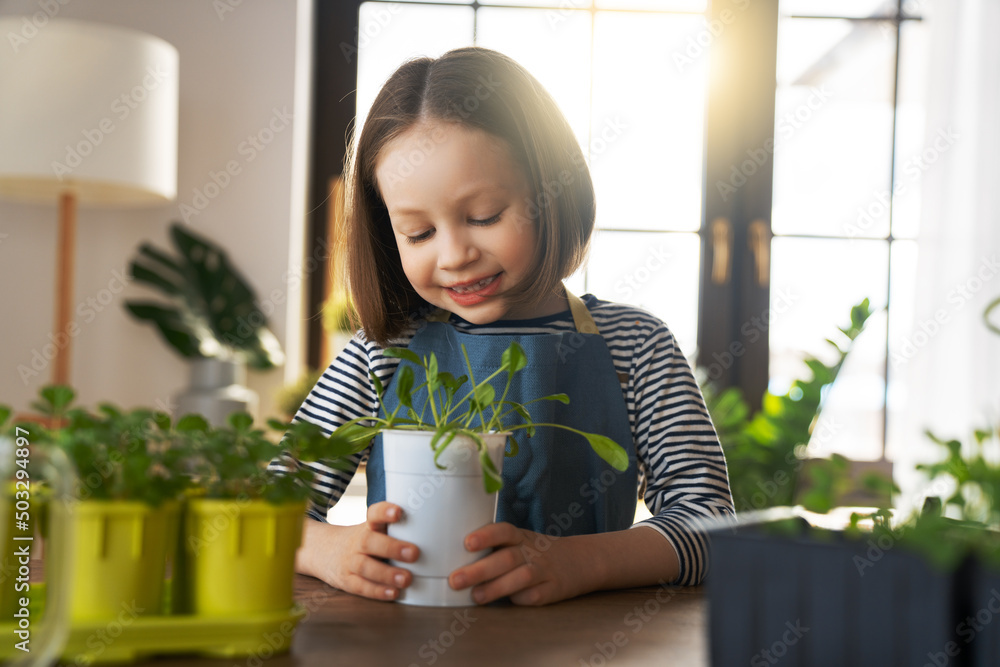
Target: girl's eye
{"type": "Point", "coordinates": [486, 222]}
{"type": "Point", "coordinates": [423, 236]}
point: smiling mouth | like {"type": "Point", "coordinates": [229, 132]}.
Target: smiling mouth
{"type": "Point", "coordinates": [469, 288]}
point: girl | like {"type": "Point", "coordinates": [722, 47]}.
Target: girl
{"type": "Point", "coordinates": [468, 203]}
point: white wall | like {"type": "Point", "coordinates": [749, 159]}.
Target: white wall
{"type": "Point", "coordinates": [236, 68]}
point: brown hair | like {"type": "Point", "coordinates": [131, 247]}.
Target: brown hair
{"type": "Point", "coordinates": [480, 89]}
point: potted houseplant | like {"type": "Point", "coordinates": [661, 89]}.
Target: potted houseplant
{"type": "Point", "coordinates": [974, 476]}
{"type": "Point", "coordinates": [241, 531]}
{"type": "Point", "coordinates": [211, 318]}
{"type": "Point", "coordinates": [764, 451]}
{"type": "Point", "coordinates": [891, 592]}
{"type": "Point", "coordinates": [444, 446]}
{"type": "Point", "coordinates": [125, 517]}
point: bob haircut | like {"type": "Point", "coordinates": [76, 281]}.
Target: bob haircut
{"type": "Point", "coordinates": [480, 89]}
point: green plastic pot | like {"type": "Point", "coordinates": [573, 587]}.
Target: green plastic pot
{"type": "Point", "coordinates": [240, 555]}
{"type": "Point", "coordinates": [8, 563]}
{"type": "Point", "coordinates": [120, 557]}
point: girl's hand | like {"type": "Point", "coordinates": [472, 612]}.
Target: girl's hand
{"type": "Point", "coordinates": [532, 568]}
{"type": "Point", "coordinates": [347, 557]}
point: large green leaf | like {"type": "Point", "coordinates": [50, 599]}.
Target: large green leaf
{"type": "Point", "coordinates": [171, 325]}
{"type": "Point", "coordinates": [213, 310]}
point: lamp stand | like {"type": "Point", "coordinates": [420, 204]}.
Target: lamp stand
{"type": "Point", "coordinates": [64, 287]}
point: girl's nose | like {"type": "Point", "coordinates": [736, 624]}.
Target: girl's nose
{"type": "Point", "coordinates": [456, 251]}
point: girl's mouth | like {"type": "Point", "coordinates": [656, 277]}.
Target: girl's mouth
{"type": "Point", "coordinates": [470, 294]}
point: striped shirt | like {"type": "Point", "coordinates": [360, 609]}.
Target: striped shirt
{"type": "Point", "coordinates": [677, 449]}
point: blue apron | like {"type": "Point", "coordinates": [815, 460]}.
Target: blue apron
{"type": "Point", "coordinates": [555, 484]}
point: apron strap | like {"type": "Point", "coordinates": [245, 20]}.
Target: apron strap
{"type": "Point", "coordinates": [581, 316]}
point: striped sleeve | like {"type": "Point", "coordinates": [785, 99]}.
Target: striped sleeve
{"type": "Point", "coordinates": [678, 451]}
{"type": "Point", "coordinates": [343, 392]}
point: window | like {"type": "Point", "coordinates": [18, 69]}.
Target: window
{"type": "Point", "coordinates": [749, 207]}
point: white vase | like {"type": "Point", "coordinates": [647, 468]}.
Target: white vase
{"type": "Point", "coordinates": [217, 390]}
{"type": "Point", "coordinates": [440, 507]}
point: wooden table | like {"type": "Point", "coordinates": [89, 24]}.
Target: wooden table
{"type": "Point", "coordinates": [640, 626]}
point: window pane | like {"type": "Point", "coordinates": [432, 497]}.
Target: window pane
{"type": "Point", "coordinates": [668, 5]}
{"type": "Point", "coordinates": [814, 283]}
{"type": "Point", "coordinates": [654, 271]}
{"type": "Point", "coordinates": [647, 139]}
{"type": "Point", "coordinates": [557, 53]}
{"type": "Point", "coordinates": [557, 7]}
{"type": "Point", "coordinates": [913, 154]}
{"type": "Point", "coordinates": [903, 336]}
{"type": "Point", "coordinates": [851, 8]}
{"type": "Point", "coordinates": [833, 128]}
{"type": "Point", "coordinates": [393, 33]}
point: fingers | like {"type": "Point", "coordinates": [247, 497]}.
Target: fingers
{"type": "Point", "coordinates": [382, 514]}
{"type": "Point", "coordinates": [364, 571]}
{"type": "Point", "coordinates": [493, 535]}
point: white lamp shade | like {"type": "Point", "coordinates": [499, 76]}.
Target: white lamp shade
{"type": "Point", "coordinates": [89, 109]}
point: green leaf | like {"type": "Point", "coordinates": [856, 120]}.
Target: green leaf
{"type": "Point", "coordinates": [514, 358]}
{"type": "Point", "coordinates": [609, 450]}
{"type": "Point", "coordinates": [142, 274]}
{"type": "Point", "coordinates": [212, 310]}
{"type": "Point", "coordinates": [278, 425]}
{"type": "Point", "coordinates": [192, 422]}
{"type": "Point", "coordinates": [5, 413]}
{"type": "Point", "coordinates": [171, 324]}
{"type": "Point", "coordinates": [58, 397]}
{"type": "Point", "coordinates": [404, 385]}
{"type": "Point", "coordinates": [432, 373]}
{"type": "Point", "coordinates": [484, 395]}
{"type": "Point", "coordinates": [241, 421]}
{"type": "Point", "coordinates": [403, 353]}
{"type": "Point", "coordinates": [377, 384]}
{"type": "Point", "coordinates": [492, 482]}
{"type": "Point", "coordinates": [440, 441]}
{"type": "Point", "coordinates": [561, 398]}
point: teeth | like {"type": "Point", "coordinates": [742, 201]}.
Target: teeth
{"type": "Point", "coordinates": [475, 286]}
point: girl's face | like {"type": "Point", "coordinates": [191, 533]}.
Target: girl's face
{"type": "Point", "coordinates": [459, 208]}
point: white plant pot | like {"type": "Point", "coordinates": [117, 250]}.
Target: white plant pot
{"type": "Point", "coordinates": [216, 391]}
{"type": "Point", "coordinates": [440, 507]}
